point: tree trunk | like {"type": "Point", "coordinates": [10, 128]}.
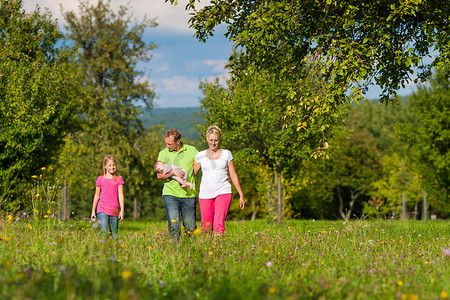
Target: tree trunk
{"type": "Point", "coordinates": [415, 210]}
{"type": "Point", "coordinates": [425, 207]}
{"type": "Point", "coordinates": [64, 210]}
{"type": "Point", "coordinates": [270, 209]}
{"type": "Point", "coordinates": [279, 193]}
{"type": "Point", "coordinates": [404, 215]}
{"type": "Point", "coordinates": [353, 196]}
{"type": "Point", "coordinates": [341, 203]}
{"type": "Point", "coordinates": [136, 214]}
{"type": "Point", "coordinates": [253, 217]}
{"type": "Point", "coordinates": [348, 212]}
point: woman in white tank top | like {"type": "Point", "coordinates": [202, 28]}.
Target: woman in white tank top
{"type": "Point", "coordinates": [215, 188]}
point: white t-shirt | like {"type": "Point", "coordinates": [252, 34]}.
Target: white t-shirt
{"type": "Point", "coordinates": [215, 174]}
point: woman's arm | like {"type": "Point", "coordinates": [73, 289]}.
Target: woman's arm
{"type": "Point", "coordinates": [95, 202]}
{"type": "Point", "coordinates": [197, 167]}
{"type": "Point", "coordinates": [121, 202]}
{"type": "Point", "coordinates": [235, 180]}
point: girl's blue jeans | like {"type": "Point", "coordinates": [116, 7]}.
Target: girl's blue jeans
{"type": "Point", "coordinates": [108, 224]}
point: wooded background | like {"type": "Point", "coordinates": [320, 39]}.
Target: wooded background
{"type": "Point", "coordinates": [306, 142]}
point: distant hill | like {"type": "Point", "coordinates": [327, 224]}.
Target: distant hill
{"type": "Point", "coordinates": [183, 119]}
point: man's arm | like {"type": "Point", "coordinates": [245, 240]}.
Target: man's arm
{"type": "Point", "coordinates": [165, 175]}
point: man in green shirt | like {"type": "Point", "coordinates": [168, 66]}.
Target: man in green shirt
{"type": "Point", "coordinates": [179, 202]}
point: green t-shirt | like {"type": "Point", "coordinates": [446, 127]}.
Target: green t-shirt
{"type": "Point", "coordinates": [184, 159]}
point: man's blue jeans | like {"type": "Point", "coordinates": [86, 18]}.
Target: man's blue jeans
{"type": "Point", "coordinates": [174, 206]}
{"type": "Point", "coordinates": [106, 222]}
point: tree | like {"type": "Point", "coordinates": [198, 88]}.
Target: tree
{"type": "Point", "coordinates": [39, 100]}
{"type": "Point", "coordinates": [109, 46]}
{"type": "Point", "coordinates": [398, 186]}
{"type": "Point", "coordinates": [429, 141]}
{"type": "Point", "coordinates": [356, 43]}
{"type": "Point", "coordinates": [256, 116]}
{"type": "Point", "coordinates": [380, 121]}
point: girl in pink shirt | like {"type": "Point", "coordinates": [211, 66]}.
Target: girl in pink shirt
{"type": "Point", "coordinates": [108, 198]}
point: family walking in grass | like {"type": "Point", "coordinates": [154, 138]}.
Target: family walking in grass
{"type": "Point", "coordinates": [177, 165]}
{"type": "Point", "coordinates": [215, 188]}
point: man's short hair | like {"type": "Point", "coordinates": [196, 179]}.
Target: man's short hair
{"type": "Point", "coordinates": [175, 133]}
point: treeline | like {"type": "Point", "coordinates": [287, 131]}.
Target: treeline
{"type": "Point", "coordinates": [68, 99]}
{"type": "Point", "coordinates": [373, 160]}
{"type": "Point", "coordinates": [301, 151]}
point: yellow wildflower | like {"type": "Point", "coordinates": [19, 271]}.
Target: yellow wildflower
{"type": "Point", "coordinates": [272, 290]}
{"type": "Point", "coordinates": [444, 295]}
{"type": "Point", "coordinates": [126, 274]}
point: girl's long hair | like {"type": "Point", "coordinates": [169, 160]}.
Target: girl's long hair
{"type": "Point", "coordinates": [105, 161]}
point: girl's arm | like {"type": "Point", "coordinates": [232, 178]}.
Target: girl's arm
{"type": "Point", "coordinates": [235, 180]}
{"type": "Point", "coordinates": [95, 202]}
{"type": "Point", "coordinates": [197, 167]}
{"type": "Point", "coordinates": [121, 202]}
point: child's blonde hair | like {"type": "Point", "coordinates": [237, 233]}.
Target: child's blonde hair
{"type": "Point", "coordinates": [105, 161]}
{"type": "Point", "coordinates": [214, 130]}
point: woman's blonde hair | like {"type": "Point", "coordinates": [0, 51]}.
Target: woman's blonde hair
{"type": "Point", "coordinates": [105, 161]}
{"type": "Point", "coordinates": [214, 130]}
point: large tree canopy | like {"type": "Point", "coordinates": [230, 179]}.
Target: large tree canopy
{"type": "Point", "coordinates": [356, 43]}
{"type": "Point", "coordinates": [109, 46]}
{"type": "Point", "coordinates": [37, 95]}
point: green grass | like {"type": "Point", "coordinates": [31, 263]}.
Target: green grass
{"type": "Point", "coordinates": [385, 259]}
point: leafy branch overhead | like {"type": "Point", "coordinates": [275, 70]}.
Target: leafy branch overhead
{"type": "Point", "coordinates": [355, 43]}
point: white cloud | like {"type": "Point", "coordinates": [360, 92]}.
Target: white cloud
{"type": "Point", "coordinates": [217, 64]}
{"type": "Point", "coordinates": [179, 85]}
{"type": "Point", "coordinates": [163, 67]}
{"type": "Point", "coordinates": [169, 17]}
{"type": "Point", "coordinates": [222, 78]}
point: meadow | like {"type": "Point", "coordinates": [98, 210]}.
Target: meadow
{"type": "Point", "coordinates": [300, 259]}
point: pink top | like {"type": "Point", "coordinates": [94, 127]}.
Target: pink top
{"type": "Point", "coordinates": [109, 195]}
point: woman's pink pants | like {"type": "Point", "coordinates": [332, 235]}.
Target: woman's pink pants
{"type": "Point", "coordinates": [214, 212]}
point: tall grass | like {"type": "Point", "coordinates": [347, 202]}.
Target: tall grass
{"type": "Point", "coordinates": [385, 259]}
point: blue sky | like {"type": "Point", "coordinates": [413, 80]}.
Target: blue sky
{"type": "Point", "coordinates": [181, 61]}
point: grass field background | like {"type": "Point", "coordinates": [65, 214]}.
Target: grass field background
{"type": "Point", "coordinates": [361, 259]}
